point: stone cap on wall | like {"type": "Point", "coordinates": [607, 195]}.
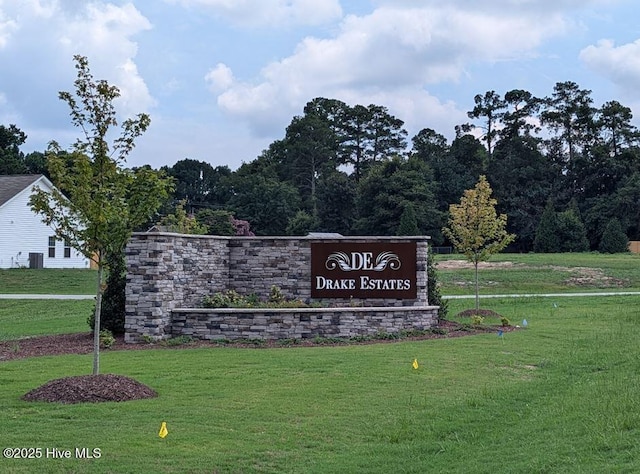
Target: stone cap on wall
{"type": "Point", "coordinates": [313, 236]}
{"type": "Point", "coordinates": [319, 309]}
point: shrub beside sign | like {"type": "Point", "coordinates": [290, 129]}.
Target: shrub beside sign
{"type": "Point", "coordinates": [363, 270]}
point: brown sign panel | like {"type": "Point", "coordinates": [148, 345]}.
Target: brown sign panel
{"type": "Point", "coordinates": [363, 270]}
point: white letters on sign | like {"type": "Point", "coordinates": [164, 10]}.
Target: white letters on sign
{"type": "Point", "coordinates": [355, 261]}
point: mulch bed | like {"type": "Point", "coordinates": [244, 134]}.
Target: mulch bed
{"type": "Point", "coordinates": [109, 387]}
{"type": "Point", "coordinates": [90, 389]}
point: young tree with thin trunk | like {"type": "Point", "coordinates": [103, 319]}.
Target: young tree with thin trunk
{"type": "Point", "coordinates": [97, 203]}
{"type": "Point", "coordinates": [475, 229]}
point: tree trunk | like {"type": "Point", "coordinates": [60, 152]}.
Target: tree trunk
{"type": "Point", "coordinates": [477, 287]}
{"type": "Point", "coordinates": [96, 321]}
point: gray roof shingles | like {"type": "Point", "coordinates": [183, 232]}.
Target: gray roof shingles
{"type": "Point", "coordinates": [10, 185]}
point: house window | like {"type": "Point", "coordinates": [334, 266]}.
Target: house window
{"type": "Point", "coordinates": [52, 247]}
{"type": "Point", "coordinates": [67, 248]}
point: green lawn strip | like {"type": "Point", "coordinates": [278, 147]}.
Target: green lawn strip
{"type": "Point", "coordinates": [544, 273]}
{"type": "Point", "coordinates": [570, 259]}
{"type": "Point", "coordinates": [559, 396]}
{"type": "Point", "coordinates": [48, 281]}
{"type": "Point", "coordinates": [505, 281]}
{"type": "Point", "coordinates": [23, 318]}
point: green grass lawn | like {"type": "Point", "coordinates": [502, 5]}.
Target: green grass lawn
{"type": "Point", "coordinates": [559, 396]}
{"type": "Point", "coordinates": [48, 281]}
{"type": "Point", "coordinates": [543, 273]}
{"type": "Point", "coordinates": [22, 318]}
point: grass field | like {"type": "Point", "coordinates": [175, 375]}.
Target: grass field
{"type": "Point", "coordinates": [21, 318]}
{"type": "Point", "coordinates": [48, 281]}
{"type": "Point", "coordinates": [559, 396]}
{"type": "Point", "coordinates": [541, 273]}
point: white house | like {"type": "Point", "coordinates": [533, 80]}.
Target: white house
{"type": "Point", "coordinates": [25, 241]}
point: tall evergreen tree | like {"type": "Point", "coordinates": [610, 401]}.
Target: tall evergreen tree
{"type": "Point", "coordinates": [385, 191]}
{"type": "Point", "coordinates": [11, 158]}
{"type": "Point", "coordinates": [546, 238]}
{"type": "Point", "coordinates": [489, 106]}
{"type": "Point", "coordinates": [521, 179]}
{"type": "Point", "coordinates": [408, 222]}
{"type": "Point", "coordinates": [455, 168]}
{"type": "Point", "coordinates": [266, 202]}
{"type": "Point", "coordinates": [371, 135]}
{"type": "Point", "coordinates": [336, 202]}
{"type": "Point", "coordinates": [617, 131]}
{"type": "Point", "coordinates": [200, 184]}
{"type": "Point", "coordinates": [309, 147]}
{"type": "Point", "coordinates": [614, 240]}
{"type": "Point", "coordinates": [570, 114]}
{"type": "Point", "coordinates": [571, 232]}
{"type": "Point", "coordinates": [432, 148]}
{"type": "Point", "coordinates": [518, 120]}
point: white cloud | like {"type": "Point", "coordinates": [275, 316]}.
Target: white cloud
{"type": "Point", "coordinates": [41, 8]}
{"type": "Point", "coordinates": [393, 51]}
{"type": "Point", "coordinates": [251, 13]}
{"type": "Point", "coordinates": [169, 140]}
{"type": "Point", "coordinates": [415, 106]}
{"type": "Point", "coordinates": [620, 64]}
{"type": "Point", "coordinates": [422, 59]}
{"type": "Point", "coordinates": [134, 94]}
{"type": "Point", "coordinates": [103, 33]}
{"type": "Point", "coordinates": [219, 78]}
{"type": "Point", "coordinates": [7, 28]}
{"type": "Point", "coordinates": [267, 117]}
{"type": "Point", "coordinates": [49, 33]}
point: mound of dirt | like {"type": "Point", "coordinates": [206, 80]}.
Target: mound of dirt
{"type": "Point", "coordinates": [485, 313]}
{"type": "Point", "coordinates": [90, 388]}
{"type": "Point", "coordinates": [465, 264]}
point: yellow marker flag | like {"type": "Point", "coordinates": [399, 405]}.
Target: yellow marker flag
{"type": "Point", "coordinates": [163, 430]}
{"type": "Point", "coordinates": [415, 364]}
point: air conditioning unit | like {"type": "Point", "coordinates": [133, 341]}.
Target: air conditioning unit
{"type": "Point", "coordinates": [36, 260]}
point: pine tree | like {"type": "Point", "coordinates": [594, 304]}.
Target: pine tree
{"type": "Point", "coordinates": [572, 232]}
{"type": "Point", "coordinates": [408, 221]}
{"type": "Point", "coordinates": [614, 240]}
{"type": "Point", "coordinates": [546, 239]}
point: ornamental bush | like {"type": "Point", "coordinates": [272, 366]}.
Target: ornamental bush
{"type": "Point", "coordinates": [112, 313]}
{"type": "Point", "coordinates": [232, 299]}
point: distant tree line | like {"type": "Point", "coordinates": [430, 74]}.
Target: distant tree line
{"type": "Point", "coordinates": [565, 172]}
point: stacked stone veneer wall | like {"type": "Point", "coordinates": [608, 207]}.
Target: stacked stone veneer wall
{"type": "Point", "coordinates": [168, 275]}
{"type": "Point", "coordinates": [301, 323]}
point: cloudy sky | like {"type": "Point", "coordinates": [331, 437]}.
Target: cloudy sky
{"type": "Point", "coordinates": [221, 79]}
